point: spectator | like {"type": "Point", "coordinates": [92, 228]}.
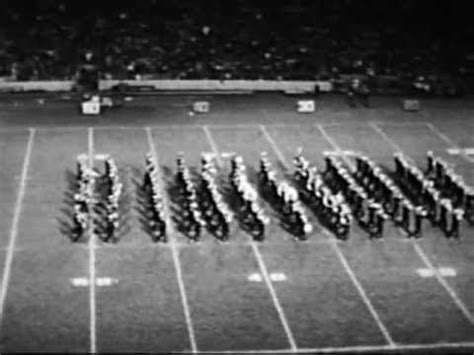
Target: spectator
{"type": "Point", "coordinates": [293, 39]}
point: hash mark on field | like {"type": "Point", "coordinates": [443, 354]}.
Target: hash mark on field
{"type": "Point", "coordinates": [100, 281]}
{"type": "Point", "coordinates": [345, 263]}
{"type": "Point", "coordinates": [399, 124]}
{"type": "Point", "coordinates": [453, 151]}
{"type": "Point", "coordinates": [174, 250]}
{"type": "Point", "coordinates": [101, 156]}
{"type": "Point", "coordinates": [261, 264]}
{"type": "Point", "coordinates": [419, 250]}
{"type": "Point", "coordinates": [255, 277]}
{"type": "Point", "coordinates": [224, 155]}
{"type": "Point", "coordinates": [443, 271]}
{"type": "Point", "coordinates": [14, 226]}
{"type": "Point", "coordinates": [274, 276]}
{"type": "Point", "coordinates": [278, 276]}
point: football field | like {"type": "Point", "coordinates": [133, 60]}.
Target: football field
{"type": "Point", "coordinates": [280, 295]}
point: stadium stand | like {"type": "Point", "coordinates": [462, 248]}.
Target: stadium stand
{"type": "Point", "coordinates": [303, 40]}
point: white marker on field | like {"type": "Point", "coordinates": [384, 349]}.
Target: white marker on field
{"type": "Point", "coordinates": [330, 152]}
{"type": "Point", "coordinates": [447, 271]}
{"type": "Point", "coordinates": [278, 276]}
{"type": "Point", "coordinates": [100, 281]}
{"type": "Point", "coordinates": [469, 151]}
{"type": "Point", "coordinates": [274, 276]}
{"type": "Point", "coordinates": [443, 271]}
{"type": "Point", "coordinates": [453, 151]}
{"type": "Point", "coordinates": [224, 155]}
{"type": "Point", "coordinates": [227, 155]}
{"type": "Point", "coordinates": [101, 156]}
{"type": "Point", "coordinates": [255, 277]}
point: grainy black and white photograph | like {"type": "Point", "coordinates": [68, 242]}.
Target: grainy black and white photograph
{"type": "Point", "coordinates": [236, 176]}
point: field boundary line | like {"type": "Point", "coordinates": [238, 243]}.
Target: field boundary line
{"type": "Point", "coordinates": [14, 227]}
{"type": "Point", "coordinates": [174, 250]}
{"type": "Point", "coordinates": [354, 348]}
{"type": "Point", "coordinates": [337, 250]}
{"type": "Point", "coordinates": [15, 129]}
{"type": "Point", "coordinates": [165, 127]}
{"type": "Point", "coordinates": [419, 250]}
{"type": "Point", "coordinates": [92, 245]}
{"type": "Point", "coordinates": [231, 126]}
{"type": "Point", "coordinates": [398, 124]}
{"type": "Point", "coordinates": [447, 140]}
{"type": "Point", "coordinates": [262, 266]}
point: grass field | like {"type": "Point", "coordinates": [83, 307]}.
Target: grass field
{"type": "Point", "coordinates": [358, 295]}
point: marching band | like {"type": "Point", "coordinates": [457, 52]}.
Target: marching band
{"type": "Point", "coordinates": [337, 195]}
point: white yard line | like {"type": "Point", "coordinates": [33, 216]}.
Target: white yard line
{"type": "Point", "coordinates": [444, 137]}
{"type": "Point", "coordinates": [419, 250]}
{"type": "Point", "coordinates": [14, 227]}
{"type": "Point", "coordinates": [261, 264]}
{"type": "Point", "coordinates": [335, 146]}
{"type": "Point", "coordinates": [276, 301]}
{"type": "Point", "coordinates": [463, 346]}
{"type": "Point", "coordinates": [275, 148]}
{"type": "Point", "coordinates": [346, 265]}
{"type": "Point", "coordinates": [92, 245]}
{"type": "Point", "coordinates": [362, 293]}
{"type": "Point", "coordinates": [174, 251]}
{"type": "Point", "coordinates": [213, 144]}
{"type": "Point", "coordinates": [447, 140]}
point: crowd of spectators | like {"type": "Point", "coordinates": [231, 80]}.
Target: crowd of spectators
{"type": "Point", "coordinates": [236, 39]}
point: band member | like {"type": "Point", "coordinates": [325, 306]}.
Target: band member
{"type": "Point", "coordinates": [429, 172]}
{"type": "Point", "coordinates": [453, 225]}
{"type": "Point", "coordinates": [158, 225]}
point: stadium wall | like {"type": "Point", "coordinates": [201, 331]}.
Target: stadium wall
{"type": "Point", "coordinates": [176, 85]}
{"type": "Point", "coordinates": [25, 86]}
